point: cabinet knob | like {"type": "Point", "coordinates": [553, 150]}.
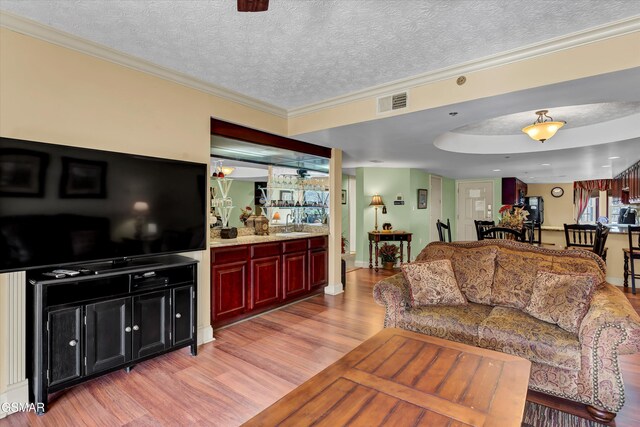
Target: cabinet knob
{"type": "Point", "coordinates": [73, 343]}
{"type": "Point", "coordinates": [135, 327]}
{"type": "Point", "coordinates": [127, 329]}
{"type": "Point", "coordinates": [178, 315]}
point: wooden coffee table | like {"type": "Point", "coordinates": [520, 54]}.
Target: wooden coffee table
{"type": "Point", "coordinates": [399, 377]}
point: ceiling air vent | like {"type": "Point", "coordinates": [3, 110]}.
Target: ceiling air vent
{"type": "Point", "coordinates": [394, 102]}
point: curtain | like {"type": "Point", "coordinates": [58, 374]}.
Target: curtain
{"type": "Point", "coordinates": [582, 192]}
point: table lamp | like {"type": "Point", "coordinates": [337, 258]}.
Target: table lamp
{"type": "Point", "coordinates": [276, 217]}
{"type": "Point", "coordinates": [376, 202]}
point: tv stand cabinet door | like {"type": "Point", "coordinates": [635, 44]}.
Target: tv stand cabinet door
{"type": "Point", "coordinates": [65, 346]}
{"type": "Point", "coordinates": [108, 334]}
{"type": "Point", "coordinates": [151, 323]}
{"type": "Point", "coordinates": [183, 315]}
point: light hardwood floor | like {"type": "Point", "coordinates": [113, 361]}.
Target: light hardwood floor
{"type": "Point", "coordinates": [250, 366]}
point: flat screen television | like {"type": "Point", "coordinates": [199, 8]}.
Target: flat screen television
{"type": "Point", "coordinates": [62, 205]}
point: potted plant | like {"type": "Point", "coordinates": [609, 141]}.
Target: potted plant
{"type": "Point", "coordinates": [345, 242]}
{"type": "Point", "coordinates": [388, 254]}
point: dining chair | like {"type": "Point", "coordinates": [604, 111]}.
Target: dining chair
{"type": "Point", "coordinates": [599, 248]}
{"type": "Point", "coordinates": [580, 235]}
{"type": "Point", "coordinates": [534, 232]}
{"type": "Point", "coordinates": [481, 225]}
{"type": "Point", "coordinates": [503, 233]}
{"type": "Point", "coordinates": [634, 254]}
{"type": "Point", "coordinates": [441, 228]}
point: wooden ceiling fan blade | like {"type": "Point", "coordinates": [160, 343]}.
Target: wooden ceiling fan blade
{"type": "Point", "coordinates": [253, 5]}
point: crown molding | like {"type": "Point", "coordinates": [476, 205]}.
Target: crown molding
{"type": "Point", "coordinates": [34, 29]}
{"type": "Point", "coordinates": [591, 35]}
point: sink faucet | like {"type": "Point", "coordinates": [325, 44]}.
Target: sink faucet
{"type": "Point", "coordinates": [286, 226]}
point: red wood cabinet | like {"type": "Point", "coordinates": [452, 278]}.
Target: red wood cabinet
{"type": "Point", "coordinates": [246, 280]}
{"type": "Point", "coordinates": [318, 262]}
{"type": "Point", "coordinates": [228, 278]}
{"type": "Point", "coordinates": [228, 290]}
{"type": "Point", "coordinates": [294, 274]}
{"type": "Point", "coordinates": [317, 268]}
{"type": "Point", "coordinates": [265, 281]}
{"type": "Point", "coordinates": [513, 191]}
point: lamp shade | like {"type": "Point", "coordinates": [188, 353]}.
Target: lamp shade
{"type": "Point", "coordinates": [227, 170]}
{"type": "Point", "coordinates": [276, 216]}
{"type": "Point", "coordinates": [376, 200]}
{"type": "Point", "coordinates": [542, 131]}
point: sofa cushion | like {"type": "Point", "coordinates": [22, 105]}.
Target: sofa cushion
{"type": "Point", "coordinates": [562, 299]}
{"type": "Point", "coordinates": [455, 323]}
{"type": "Point", "coordinates": [512, 331]}
{"type": "Point", "coordinates": [433, 283]}
{"type": "Point", "coordinates": [515, 274]}
{"type": "Point", "coordinates": [474, 269]}
{"type": "Point", "coordinates": [572, 263]}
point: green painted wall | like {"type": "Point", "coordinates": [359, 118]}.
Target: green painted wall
{"type": "Point", "coordinates": [345, 210]}
{"type": "Point", "coordinates": [362, 252]}
{"type": "Point", "coordinates": [449, 203]}
{"type": "Point", "coordinates": [420, 219]}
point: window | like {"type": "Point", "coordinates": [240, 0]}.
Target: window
{"type": "Point", "coordinates": [590, 214]}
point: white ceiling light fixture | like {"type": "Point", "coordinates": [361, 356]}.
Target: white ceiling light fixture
{"type": "Point", "coordinates": [544, 127]}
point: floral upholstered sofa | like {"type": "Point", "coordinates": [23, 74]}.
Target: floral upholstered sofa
{"type": "Point", "coordinates": [497, 278]}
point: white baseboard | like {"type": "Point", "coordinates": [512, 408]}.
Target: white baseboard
{"type": "Point", "coordinates": [334, 289]}
{"type": "Point", "coordinates": [362, 264]}
{"type": "Point", "coordinates": [205, 334]}
{"type": "Point", "coordinates": [15, 393]}
{"type": "Point", "coordinates": [615, 281]}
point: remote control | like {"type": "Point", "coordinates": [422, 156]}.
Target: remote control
{"type": "Point", "coordinates": [86, 271]}
{"type": "Point", "coordinates": [54, 275]}
{"type": "Point", "coordinates": [67, 272]}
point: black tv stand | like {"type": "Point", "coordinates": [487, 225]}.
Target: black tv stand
{"type": "Point", "coordinates": [85, 326]}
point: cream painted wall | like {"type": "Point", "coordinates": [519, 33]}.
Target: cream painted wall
{"type": "Point", "coordinates": [57, 95]}
{"type": "Point", "coordinates": [557, 210]}
{"type": "Point", "coordinates": [567, 64]}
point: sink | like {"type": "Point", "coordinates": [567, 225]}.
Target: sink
{"type": "Point", "coordinates": [292, 234]}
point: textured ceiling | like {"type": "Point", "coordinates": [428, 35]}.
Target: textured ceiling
{"type": "Point", "coordinates": [575, 116]}
{"type": "Point", "coordinates": [300, 52]}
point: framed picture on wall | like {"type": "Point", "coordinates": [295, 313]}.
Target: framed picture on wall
{"type": "Point", "coordinates": [344, 197]}
{"type": "Point", "coordinates": [422, 198]}
{"type": "Point", "coordinates": [83, 179]}
{"type": "Point", "coordinates": [22, 173]}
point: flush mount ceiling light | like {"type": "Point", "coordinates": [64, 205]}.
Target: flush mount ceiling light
{"type": "Point", "coordinates": [544, 127]}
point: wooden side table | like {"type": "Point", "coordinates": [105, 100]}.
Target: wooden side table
{"type": "Point", "coordinates": [396, 236]}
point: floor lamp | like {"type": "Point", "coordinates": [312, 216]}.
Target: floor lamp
{"type": "Point", "coordinates": [376, 202]}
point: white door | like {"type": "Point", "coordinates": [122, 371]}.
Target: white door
{"type": "Point", "coordinates": [475, 202]}
{"type": "Point", "coordinates": [436, 207]}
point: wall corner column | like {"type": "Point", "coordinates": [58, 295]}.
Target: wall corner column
{"type": "Point", "coordinates": [14, 387]}
{"type": "Point", "coordinates": [335, 285]}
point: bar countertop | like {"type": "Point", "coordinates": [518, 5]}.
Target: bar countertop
{"type": "Point", "coordinates": [253, 239]}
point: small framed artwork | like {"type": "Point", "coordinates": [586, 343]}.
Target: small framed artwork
{"type": "Point", "coordinates": [22, 172]}
{"type": "Point", "coordinates": [422, 198]}
{"type": "Point", "coordinates": [286, 195]}
{"type": "Point", "coordinates": [344, 197]}
{"type": "Point", "coordinates": [83, 179]}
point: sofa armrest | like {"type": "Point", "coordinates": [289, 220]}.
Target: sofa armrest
{"type": "Point", "coordinates": [610, 308]}
{"type": "Point", "coordinates": [610, 328]}
{"type": "Point", "coordinates": [394, 294]}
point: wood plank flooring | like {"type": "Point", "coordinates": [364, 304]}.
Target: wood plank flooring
{"type": "Point", "coordinates": [250, 366]}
